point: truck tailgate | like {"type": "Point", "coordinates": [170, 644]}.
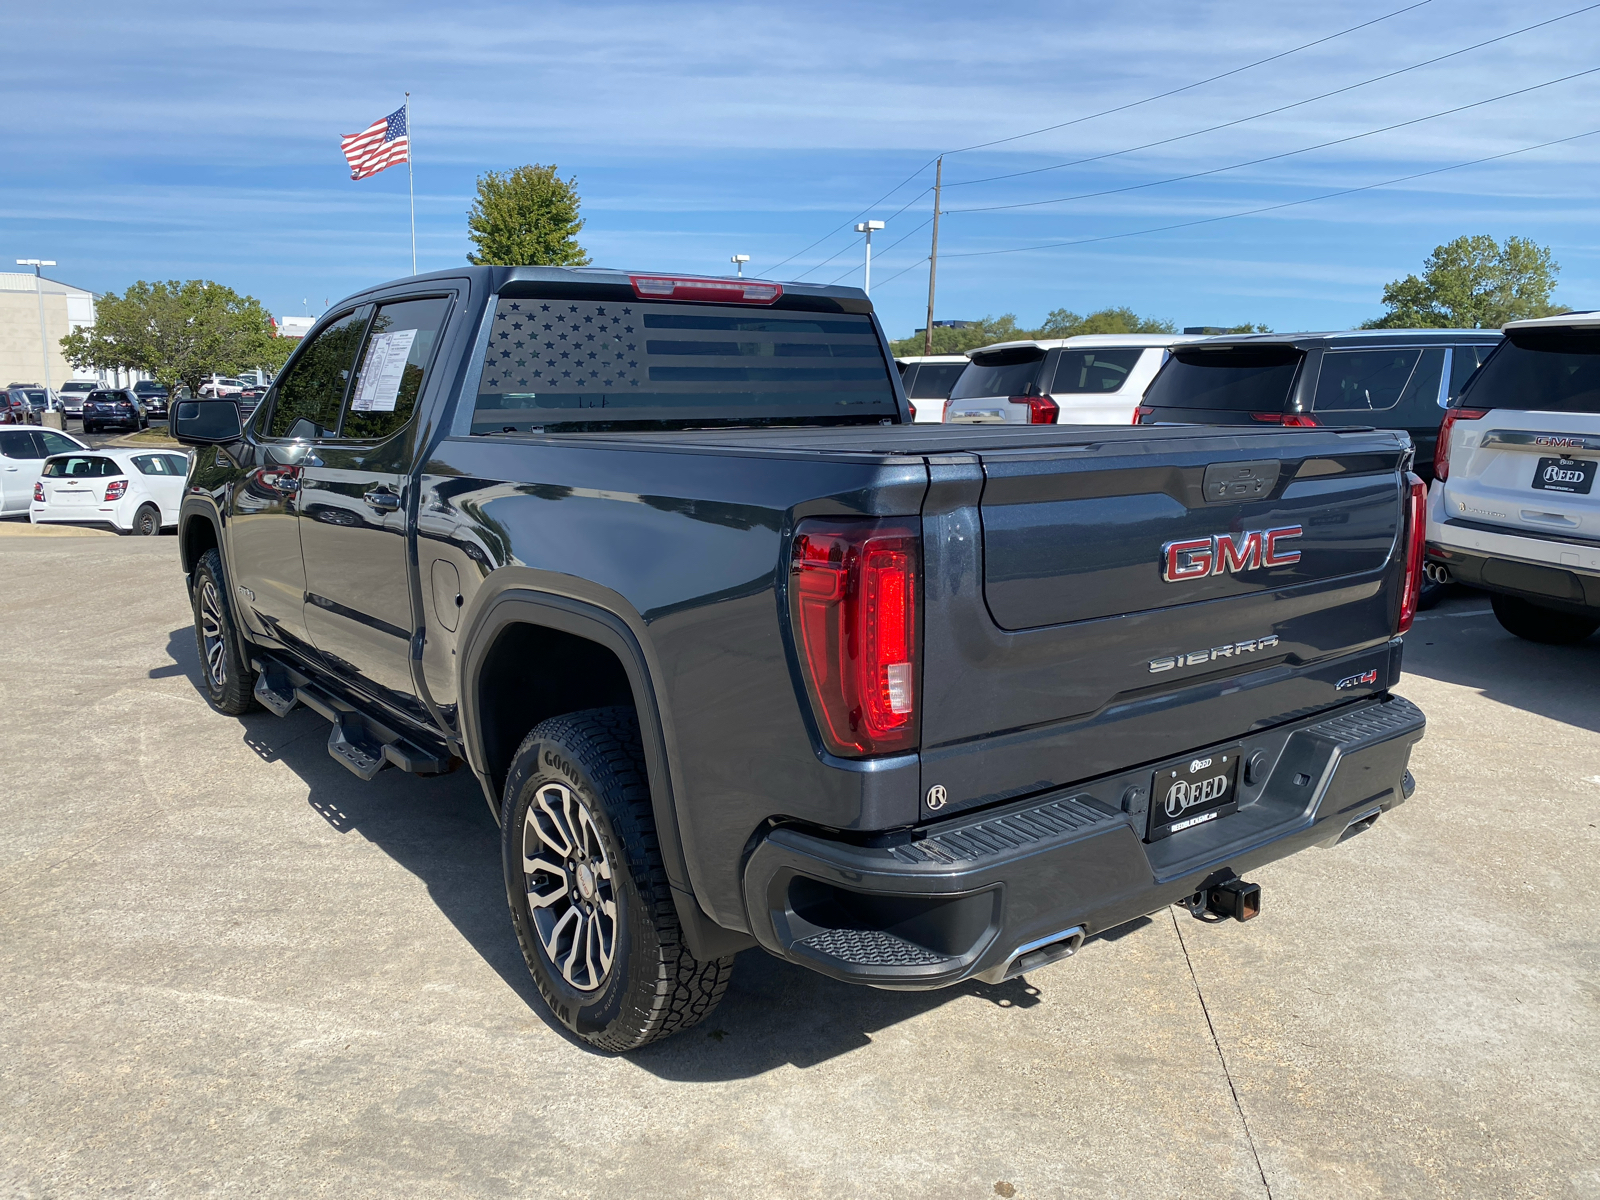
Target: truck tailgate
{"type": "Point", "coordinates": [1145, 592]}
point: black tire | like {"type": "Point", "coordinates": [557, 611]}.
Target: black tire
{"type": "Point", "coordinates": [1539, 624]}
{"type": "Point", "coordinates": [227, 679]}
{"type": "Point", "coordinates": [651, 987]}
{"type": "Point", "coordinates": [90, 428]}
{"type": "Point", "coordinates": [146, 522]}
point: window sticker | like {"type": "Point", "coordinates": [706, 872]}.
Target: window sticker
{"type": "Point", "coordinates": [383, 371]}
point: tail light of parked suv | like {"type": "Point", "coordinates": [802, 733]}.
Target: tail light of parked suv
{"type": "Point", "coordinates": [1298, 420]}
{"type": "Point", "coordinates": [853, 588]}
{"type": "Point", "coordinates": [1143, 414]}
{"type": "Point", "coordinates": [1041, 409]}
{"type": "Point", "coordinates": [116, 489]}
{"type": "Point", "coordinates": [38, 493]}
{"type": "Point", "coordinates": [1441, 449]}
{"type": "Point", "coordinates": [1413, 538]}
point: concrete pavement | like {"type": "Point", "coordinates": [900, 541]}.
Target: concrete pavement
{"type": "Point", "coordinates": [228, 965]}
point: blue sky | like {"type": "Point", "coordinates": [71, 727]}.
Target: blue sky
{"type": "Point", "coordinates": [180, 141]}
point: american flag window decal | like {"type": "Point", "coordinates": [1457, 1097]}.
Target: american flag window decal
{"type": "Point", "coordinates": [554, 363]}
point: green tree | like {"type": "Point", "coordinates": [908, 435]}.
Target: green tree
{"type": "Point", "coordinates": [1058, 323]}
{"type": "Point", "coordinates": [1061, 323]}
{"type": "Point", "coordinates": [177, 333]}
{"type": "Point", "coordinates": [958, 341]}
{"type": "Point", "coordinates": [1473, 283]}
{"type": "Point", "coordinates": [526, 217]}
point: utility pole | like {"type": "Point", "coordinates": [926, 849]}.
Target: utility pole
{"type": "Point", "coordinates": [867, 227]}
{"type": "Point", "coordinates": [933, 255]}
{"type": "Point", "coordinates": [38, 265]}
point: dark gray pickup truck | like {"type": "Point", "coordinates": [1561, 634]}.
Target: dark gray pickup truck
{"type": "Point", "coordinates": [742, 657]}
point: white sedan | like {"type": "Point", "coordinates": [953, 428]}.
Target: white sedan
{"type": "Point", "coordinates": [133, 491]}
{"type": "Point", "coordinates": [22, 454]}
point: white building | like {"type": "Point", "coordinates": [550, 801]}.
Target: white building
{"type": "Point", "coordinates": [22, 358]}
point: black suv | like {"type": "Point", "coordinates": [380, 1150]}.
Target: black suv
{"type": "Point", "coordinates": [1389, 378]}
{"type": "Point", "coordinates": [153, 396]}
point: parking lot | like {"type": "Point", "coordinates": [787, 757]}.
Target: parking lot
{"type": "Point", "coordinates": [228, 965]}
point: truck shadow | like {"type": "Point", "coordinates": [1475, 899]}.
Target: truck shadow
{"type": "Point", "coordinates": [441, 831]}
{"type": "Point", "coordinates": [1460, 642]}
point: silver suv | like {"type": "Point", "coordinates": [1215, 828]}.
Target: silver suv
{"type": "Point", "coordinates": [1513, 508]}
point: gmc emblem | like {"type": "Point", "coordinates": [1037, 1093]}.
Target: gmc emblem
{"type": "Point", "coordinates": [1196, 558]}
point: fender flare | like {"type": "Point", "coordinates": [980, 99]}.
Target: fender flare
{"type": "Point", "coordinates": [516, 605]}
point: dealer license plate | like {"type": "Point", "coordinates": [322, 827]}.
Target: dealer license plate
{"type": "Point", "coordinates": [1574, 475]}
{"type": "Point", "coordinates": [1194, 791]}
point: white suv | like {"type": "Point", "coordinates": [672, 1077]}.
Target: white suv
{"type": "Point", "coordinates": [1513, 508]}
{"type": "Point", "coordinates": [1092, 379]}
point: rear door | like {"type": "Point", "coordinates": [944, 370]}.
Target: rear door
{"type": "Point", "coordinates": [983, 392]}
{"type": "Point", "coordinates": [1148, 593]}
{"type": "Point", "coordinates": [353, 506]}
{"type": "Point", "coordinates": [21, 455]}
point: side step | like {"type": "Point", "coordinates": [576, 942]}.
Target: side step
{"type": "Point", "coordinates": [358, 741]}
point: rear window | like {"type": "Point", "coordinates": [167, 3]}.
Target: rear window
{"type": "Point", "coordinates": [566, 365]}
{"type": "Point", "coordinates": [933, 381]}
{"type": "Point", "coordinates": [1545, 370]}
{"type": "Point", "coordinates": [106, 397]}
{"type": "Point", "coordinates": [80, 466]}
{"type": "Point", "coordinates": [1236, 379]}
{"type": "Point", "coordinates": [1094, 370]}
{"type": "Point", "coordinates": [1000, 373]}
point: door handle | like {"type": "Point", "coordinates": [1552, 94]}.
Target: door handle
{"type": "Point", "coordinates": [383, 501]}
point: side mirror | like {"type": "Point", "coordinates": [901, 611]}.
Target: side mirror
{"type": "Point", "coordinates": [205, 422]}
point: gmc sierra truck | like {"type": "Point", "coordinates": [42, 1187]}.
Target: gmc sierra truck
{"type": "Point", "coordinates": [742, 657]}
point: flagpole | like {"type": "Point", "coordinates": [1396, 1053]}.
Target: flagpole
{"type": "Point", "coordinates": [411, 183]}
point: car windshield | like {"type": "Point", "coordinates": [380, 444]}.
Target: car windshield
{"type": "Point", "coordinates": [1233, 379]}
{"type": "Point", "coordinates": [1009, 372]}
{"type": "Point", "coordinates": [80, 466]}
{"type": "Point", "coordinates": [567, 365]}
{"type": "Point", "coordinates": [1540, 370]}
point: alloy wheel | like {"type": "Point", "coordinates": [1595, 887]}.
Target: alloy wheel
{"type": "Point", "coordinates": [211, 633]}
{"type": "Point", "coordinates": [571, 887]}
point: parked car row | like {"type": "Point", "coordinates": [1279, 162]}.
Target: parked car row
{"type": "Point", "coordinates": [55, 477]}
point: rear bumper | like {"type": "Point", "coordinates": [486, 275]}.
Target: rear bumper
{"type": "Point", "coordinates": [961, 898]}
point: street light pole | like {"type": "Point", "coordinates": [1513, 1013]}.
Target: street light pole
{"type": "Point", "coordinates": [38, 265]}
{"type": "Point", "coordinates": [867, 227]}
{"type": "Point", "coordinates": [739, 260]}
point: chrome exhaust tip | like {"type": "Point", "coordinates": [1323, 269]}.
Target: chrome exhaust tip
{"type": "Point", "coordinates": [1437, 572]}
{"type": "Point", "coordinates": [1033, 955]}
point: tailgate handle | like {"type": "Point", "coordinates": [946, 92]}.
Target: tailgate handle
{"type": "Point", "coordinates": [1229, 483]}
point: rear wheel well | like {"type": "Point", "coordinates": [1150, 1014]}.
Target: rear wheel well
{"type": "Point", "coordinates": [532, 673]}
{"type": "Point", "coordinates": [199, 535]}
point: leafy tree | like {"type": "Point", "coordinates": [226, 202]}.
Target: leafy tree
{"type": "Point", "coordinates": [1061, 323]}
{"type": "Point", "coordinates": [177, 333]}
{"type": "Point", "coordinates": [526, 217]}
{"type": "Point", "coordinates": [1472, 283]}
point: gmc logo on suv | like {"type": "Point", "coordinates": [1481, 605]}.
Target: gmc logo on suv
{"type": "Point", "coordinates": [1196, 558]}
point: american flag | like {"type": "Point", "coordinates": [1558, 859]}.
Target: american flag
{"type": "Point", "coordinates": [382, 144]}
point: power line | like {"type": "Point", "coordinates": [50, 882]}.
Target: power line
{"type": "Point", "coordinates": [1260, 62]}
{"type": "Point", "coordinates": [890, 217]}
{"type": "Point", "coordinates": [1274, 111]}
{"type": "Point", "coordinates": [1133, 187]}
{"type": "Point", "coordinates": [1109, 237]}
{"type": "Point", "coordinates": [1092, 116]}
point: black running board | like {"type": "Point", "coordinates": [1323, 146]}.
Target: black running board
{"type": "Point", "coordinates": [358, 741]}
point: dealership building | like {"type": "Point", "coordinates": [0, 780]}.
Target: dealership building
{"type": "Point", "coordinates": [25, 301]}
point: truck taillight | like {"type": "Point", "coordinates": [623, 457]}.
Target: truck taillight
{"type": "Point", "coordinates": [853, 601]}
{"type": "Point", "coordinates": [1441, 449]}
{"type": "Point", "coordinates": [1413, 539]}
{"type": "Point", "coordinates": [1297, 420]}
{"type": "Point", "coordinates": [116, 489]}
{"type": "Point", "coordinates": [1041, 409]}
